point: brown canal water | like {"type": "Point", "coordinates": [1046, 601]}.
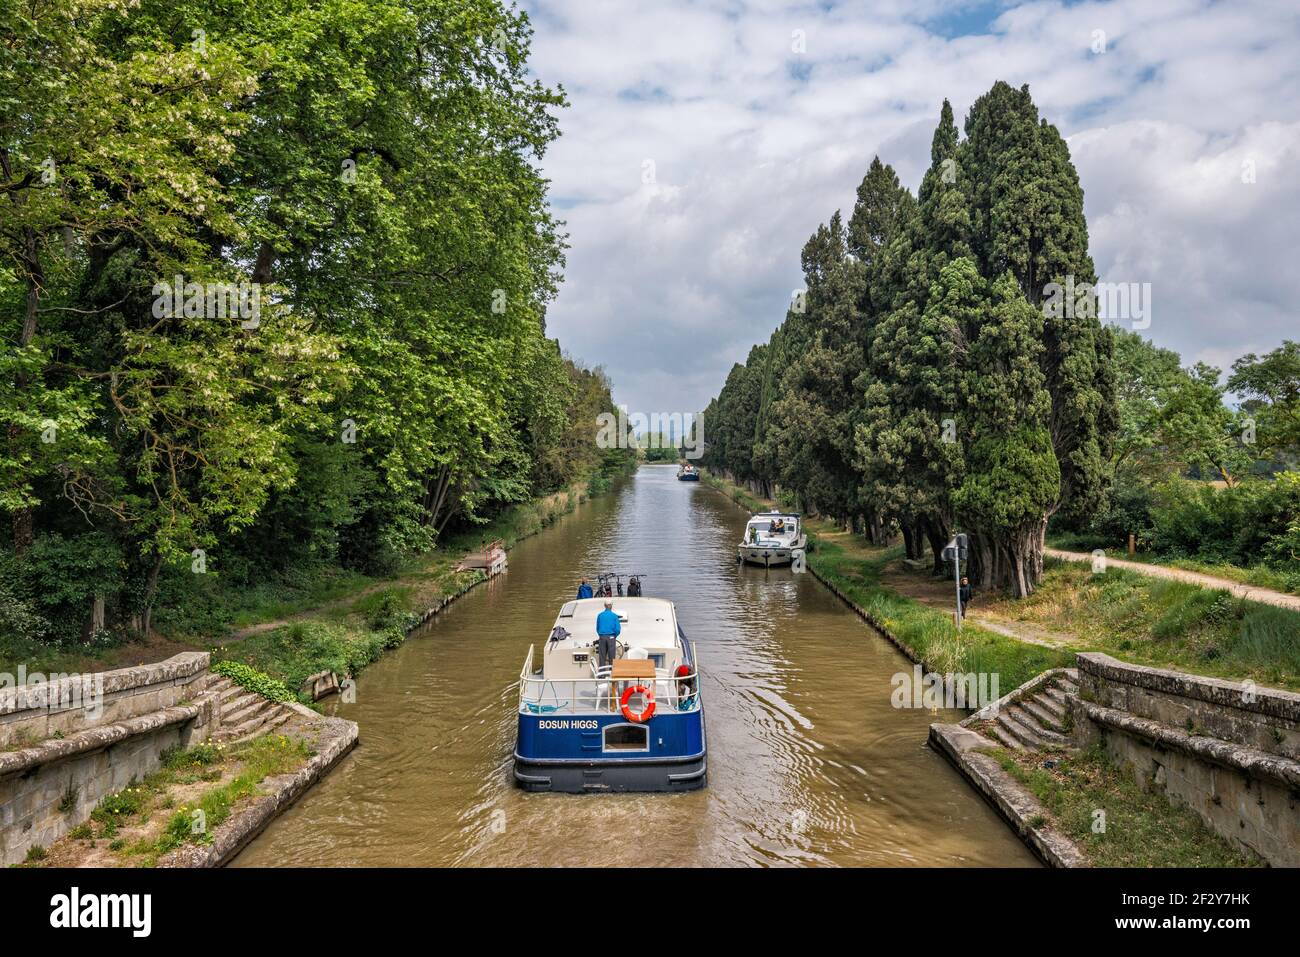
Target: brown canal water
{"type": "Point", "coordinates": [809, 763]}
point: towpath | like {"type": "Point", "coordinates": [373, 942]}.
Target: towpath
{"type": "Point", "coordinates": [1242, 590]}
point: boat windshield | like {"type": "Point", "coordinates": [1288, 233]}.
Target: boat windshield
{"type": "Point", "coordinates": [778, 525]}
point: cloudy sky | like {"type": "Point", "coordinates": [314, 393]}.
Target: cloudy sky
{"type": "Point", "coordinates": [706, 141]}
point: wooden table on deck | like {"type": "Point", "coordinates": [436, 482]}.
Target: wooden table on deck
{"type": "Point", "coordinates": [628, 668]}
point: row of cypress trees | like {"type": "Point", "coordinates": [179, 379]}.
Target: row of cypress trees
{"type": "Point", "coordinates": [923, 383]}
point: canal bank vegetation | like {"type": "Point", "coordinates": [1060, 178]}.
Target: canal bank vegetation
{"type": "Point", "coordinates": [1133, 617]}
{"type": "Point", "coordinates": [345, 637]}
{"type": "Point", "coordinates": [945, 370]}
{"type": "Point", "coordinates": [264, 348]}
{"type": "Point", "coordinates": [1161, 623]}
{"type": "Point", "coordinates": [184, 802]}
{"type": "Point", "coordinates": [853, 567]}
{"type": "Point", "coordinates": [1111, 819]}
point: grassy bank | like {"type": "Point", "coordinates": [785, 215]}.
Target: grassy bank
{"type": "Point", "coordinates": [1134, 617]}
{"type": "Point", "coordinates": [1140, 828]}
{"type": "Point", "coordinates": [853, 567]}
{"type": "Point", "coordinates": [1261, 576]}
{"type": "Point", "coordinates": [326, 618]}
{"type": "Point", "coordinates": [137, 825]}
{"type": "Point", "coordinates": [347, 636]}
{"type": "Point", "coordinates": [1163, 623]}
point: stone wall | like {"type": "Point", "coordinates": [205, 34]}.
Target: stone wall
{"type": "Point", "coordinates": [46, 705]}
{"type": "Point", "coordinates": [64, 747]}
{"type": "Point", "coordinates": [1228, 750]}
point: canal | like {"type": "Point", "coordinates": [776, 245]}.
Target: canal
{"type": "Point", "coordinates": [808, 761]}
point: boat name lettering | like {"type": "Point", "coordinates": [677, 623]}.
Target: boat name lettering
{"type": "Point", "coordinates": [564, 725]}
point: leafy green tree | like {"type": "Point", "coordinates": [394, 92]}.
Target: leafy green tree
{"type": "Point", "coordinates": [906, 423]}
{"type": "Point", "coordinates": [811, 430]}
{"type": "Point", "coordinates": [1271, 384]}
{"type": "Point", "coordinates": [1199, 430]}
{"type": "Point", "coordinates": [370, 170]}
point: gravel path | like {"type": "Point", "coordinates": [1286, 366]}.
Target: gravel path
{"type": "Point", "coordinates": [1241, 590]}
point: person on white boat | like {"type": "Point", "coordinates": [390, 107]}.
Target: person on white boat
{"type": "Point", "coordinates": [634, 588]}
{"type": "Point", "coordinates": [608, 629]}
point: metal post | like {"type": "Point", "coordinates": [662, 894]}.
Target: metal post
{"type": "Point", "coordinates": [956, 580]}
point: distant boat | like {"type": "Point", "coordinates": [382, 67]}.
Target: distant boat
{"type": "Point", "coordinates": [772, 538]}
{"type": "Point", "coordinates": [636, 724]}
{"type": "Point", "coordinates": [688, 473]}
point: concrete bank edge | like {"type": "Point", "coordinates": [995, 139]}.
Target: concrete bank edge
{"type": "Point", "coordinates": [335, 738]}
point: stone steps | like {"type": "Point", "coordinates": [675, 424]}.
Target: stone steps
{"type": "Point", "coordinates": [264, 721]}
{"type": "Point", "coordinates": [1005, 739]}
{"type": "Point", "coordinates": [243, 714]}
{"type": "Point", "coordinates": [242, 708]}
{"type": "Point", "coordinates": [1050, 716]}
{"type": "Point", "coordinates": [1037, 720]}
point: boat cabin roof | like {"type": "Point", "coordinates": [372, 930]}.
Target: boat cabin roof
{"type": "Point", "coordinates": [769, 516]}
{"type": "Point", "coordinates": [646, 622]}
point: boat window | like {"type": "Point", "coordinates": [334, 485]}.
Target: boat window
{"type": "Point", "coordinates": [658, 660]}
{"type": "Point", "coordinates": [627, 737]}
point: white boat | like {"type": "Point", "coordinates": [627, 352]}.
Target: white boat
{"type": "Point", "coordinates": [772, 538]}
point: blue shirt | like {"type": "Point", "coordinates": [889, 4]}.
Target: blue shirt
{"type": "Point", "coordinates": [607, 623]}
{"type": "Point", "coordinates": [584, 590]}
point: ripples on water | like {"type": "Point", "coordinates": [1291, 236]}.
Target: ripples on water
{"type": "Point", "coordinates": [808, 762]}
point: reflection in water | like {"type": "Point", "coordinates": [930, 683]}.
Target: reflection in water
{"type": "Point", "coordinates": [808, 761]}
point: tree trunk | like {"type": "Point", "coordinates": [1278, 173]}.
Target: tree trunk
{"type": "Point", "coordinates": [97, 615]}
{"type": "Point", "coordinates": [936, 531]}
{"type": "Point", "coordinates": [911, 547]}
{"type": "Point", "coordinates": [150, 593]}
{"type": "Point", "coordinates": [24, 523]}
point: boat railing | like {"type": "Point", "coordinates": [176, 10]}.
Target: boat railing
{"type": "Point", "coordinates": [674, 694]}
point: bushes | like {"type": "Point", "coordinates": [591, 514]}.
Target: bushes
{"type": "Point", "coordinates": [290, 655]}
{"type": "Point", "coordinates": [51, 591]}
{"type": "Point", "coordinates": [1255, 521]}
{"type": "Point", "coordinates": [387, 609]}
{"type": "Point", "coordinates": [1252, 525]}
{"type": "Point", "coordinates": [1128, 510]}
{"type": "Point", "coordinates": [250, 679]}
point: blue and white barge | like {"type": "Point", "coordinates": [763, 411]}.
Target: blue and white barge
{"type": "Point", "coordinates": [633, 723]}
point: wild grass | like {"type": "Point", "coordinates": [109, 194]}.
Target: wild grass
{"type": "Point", "coordinates": [1165, 623]}
{"type": "Point", "coordinates": [1132, 616]}
{"type": "Point", "coordinates": [1259, 575]}
{"type": "Point", "coordinates": [855, 571]}
{"type": "Point", "coordinates": [243, 768]}
{"type": "Point", "coordinates": [1139, 828]}
{"type": "Point", "coordinates": [854, 568]}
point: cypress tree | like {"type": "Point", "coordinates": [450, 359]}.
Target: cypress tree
{"type": "Point", "coordinates": [1027, 214]}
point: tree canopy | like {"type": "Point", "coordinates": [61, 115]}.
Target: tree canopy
{"type": "Point", "coordinates": [927, 385]}
{"type": "Point", "coordinates": [274, 284]}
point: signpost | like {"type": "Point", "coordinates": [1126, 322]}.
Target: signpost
{"type": "Point", "coordinates": [956, 551]}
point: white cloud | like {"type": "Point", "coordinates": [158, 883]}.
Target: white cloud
{"type": "Point", "coordinates": [668, 284]}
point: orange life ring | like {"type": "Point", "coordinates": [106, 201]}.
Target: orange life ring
{"type": "Point", "coordinates": [638, 716]}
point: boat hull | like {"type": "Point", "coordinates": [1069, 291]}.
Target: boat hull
{"type": "Point", "coordinates": [563, 753]}
{"type": "Point", "coordinates": [768, 556]}
{"type": "Point", "coordinates": [588, 777]}
{"type": "Point", "coordinates": [688, 478]}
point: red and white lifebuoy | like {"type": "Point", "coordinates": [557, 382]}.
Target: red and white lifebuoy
{"type": "Point", "coordinates": [638, 716]}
